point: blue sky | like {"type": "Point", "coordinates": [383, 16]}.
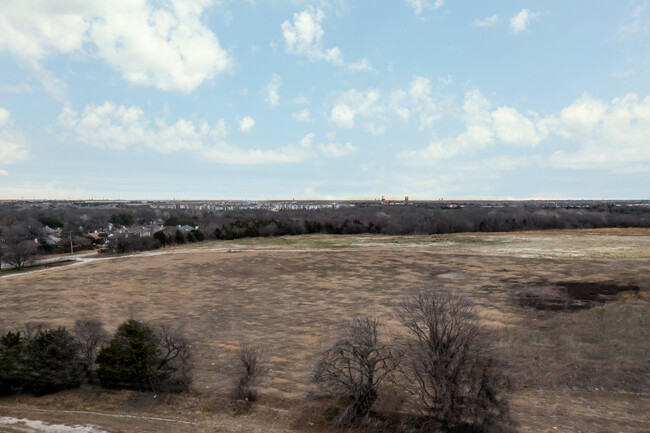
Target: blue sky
{"type": "Point", "coordinates": [202, 99]}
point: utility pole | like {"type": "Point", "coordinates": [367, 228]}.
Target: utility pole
{"type": "Point", "coordinates": [71, 247]}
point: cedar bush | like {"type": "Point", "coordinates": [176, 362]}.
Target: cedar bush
{"type": "Point", "coordinates": [137, 357]}
{"type": "Point", "coordinates": [45, 363]}
{"type": "Point", "coordinates": [130, 357]}
{"type": "Point", "coordinates": [53, 362]}
{"type": "Point", "coordinates": [11, 354]}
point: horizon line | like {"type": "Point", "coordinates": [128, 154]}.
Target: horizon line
{"type": "Point", "coordinates": [351, 199]}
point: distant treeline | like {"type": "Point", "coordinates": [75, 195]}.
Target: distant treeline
{"type": "Point", "coordinates": [418, 218]}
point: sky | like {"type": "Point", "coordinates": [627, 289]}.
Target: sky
{"type": "Point", "coordinates": [329, 99]}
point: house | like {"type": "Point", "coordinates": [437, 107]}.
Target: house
{"type": "Point", "coordinates": [141, 231]}
{"type": "Point", "coordinates": [185, 229]}
{"type": "Point", "coordinates": [48, 230]}
{"type": "Point", "coordinates": [51, 240]}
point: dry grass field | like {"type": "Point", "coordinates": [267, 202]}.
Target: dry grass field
{"type": "Point", "coordinates": [586, 370]}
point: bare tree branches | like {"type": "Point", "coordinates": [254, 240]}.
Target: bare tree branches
{"type": "Point", "coordinates": [89, 335]}
{"type": "Point", "coordinates": [174, 359]}
{"type": "Point", "coordinates": [447, 368]}
{"type": "Point", "coordinates": [250, 368]}
{"type": "Point", "coordinates": [356, 365]}
{"type": "Point", "coordinates": [19, 254]}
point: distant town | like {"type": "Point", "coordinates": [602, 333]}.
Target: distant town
{"type": "Point", "coordinates": [39, 228]}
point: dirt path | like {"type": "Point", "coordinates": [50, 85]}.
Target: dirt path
{"type": "Point", "coordinates": [25, 421]}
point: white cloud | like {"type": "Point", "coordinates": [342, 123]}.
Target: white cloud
{"type": "Point", "coordinates": [587, 134]}
{"type": "Point", "coordinates": [343, 116]}
{"type": "Point", "coordinates": [303, 37]}
{"type": "Point", "coordinates": [490, 21]}
{"type": "Point", "coordinates": [478, 133]}
{"type": "Point", "coordinates": [610, 136]}
{"type": "Point", "coordinates": [421, 96]}
{"type": "Point", "coordinates": [246, 124]}
{"type": "Point", "coordinates": [374, 129]}
{"type": "Point", "coordinates": [580, 118]}
{"type": "Point", "coordinates": [110, 126]}
{"type": "Point", "coordinates": [272, 91]}
{"type": "Point", "coordinates": [637, 24]}
{"type": "Point", "coordinates": [337, 149]}
{"type": "Point", "coordinates": [160, 44]}
{"type": "Point", "coordinates": [290, 154]}
{"type": "Point", "coordinates": [361, 65]}
{"type": "Point", "coordinates": [397, 104]}
{"type": "Point", "coordinates": [4, 117]}
{"type": "Point", "coordinates": [623, 74]}
{"type": "Point", "coordinates": [355, 103]}
{"type": "Point", "coordinates": [302, 115]}
{"type": "Point", "coordinates": [519, 22]}
{"type": "Point", "coordinates": [12, 142]}
{"type": "Point", "coordinates": [513, 127]}
{"type": "Point", "coordinates": [21, 87]}
{"type": "Point", "coordinates": [300, 100]}
{"type": "Point", "coordinates": [418, 99]}
{"type": "Point", "coordinates": [483, 127]}
{"type": "Point", "coordinates": [119, 127]}
{"type": "Point", "coordinates": [420, 6]}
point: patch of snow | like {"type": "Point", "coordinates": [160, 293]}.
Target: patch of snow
{"type": "Point", "coordinates": [41, 427]}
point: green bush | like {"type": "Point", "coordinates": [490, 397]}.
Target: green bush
{"type": "Point", "coordinates": [160, 236]}
{"type": "Point", "coordinates": [47, 363]}
{"type": "Point", "coordinates": [129, 359]}
{"type": "Point", "coordinates": [179, 238]}
{"type": "Point", "coordinates": [53, 362]}
{"type": "Point", "coordinates": [11, 354]}
{"type": "Point", "coordinates": [137, 357]}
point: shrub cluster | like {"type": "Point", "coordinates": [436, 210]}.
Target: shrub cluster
{"type": "Point", "coordinates": [42, 361]}
{"type": "Point", "coordinates": [442, 363]}
{"type": "Point", "coordinates": [39, 364]}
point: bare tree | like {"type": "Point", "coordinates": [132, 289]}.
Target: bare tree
{"type": "Point", "coordinates": [90, 336]}
{"type": "Point", "coordinates": [250, 368]}
{"type": "Point", "coordinates": [174, 359]}
{"type": "Point", "coordinates": [447, 368]}
{"type": "Point", "coordinates": [19, 254]}
{"type": "Point", "coordinates": [356, 365]}
{"type": "Point", "coordinates": [31, 330]}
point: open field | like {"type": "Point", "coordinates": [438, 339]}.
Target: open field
{"type": "Point", "coordinates": [581, 371]}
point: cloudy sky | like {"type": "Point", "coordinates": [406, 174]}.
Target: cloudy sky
{"type": "Point", "coordinates": [261, 99]}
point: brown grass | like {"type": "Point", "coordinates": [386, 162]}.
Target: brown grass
{"type": "Point", "coordinates": [289, 296]}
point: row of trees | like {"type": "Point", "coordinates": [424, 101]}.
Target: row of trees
{"type": "Point", "coordinates": [412, 219]}
{"type": "Point", "coordinates": [139, 356]}
{"type": "Point", "coordinates": [123, 244]}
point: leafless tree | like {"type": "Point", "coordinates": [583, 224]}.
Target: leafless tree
{"type": "Point", "coordinates": [447, 368]}
{"type": "Point", "coordinates": [19, 254]}
{"type": "Point", "coordinates": [356, 365]}
{"type": "Point", "coordinates": [30, 330]}
{"type": "Point", "coordinates": [90, 336]}
{"type": "Point", "coordinates": [250, 368]}
{"type": "Point", "coordinates": [174, 361]}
